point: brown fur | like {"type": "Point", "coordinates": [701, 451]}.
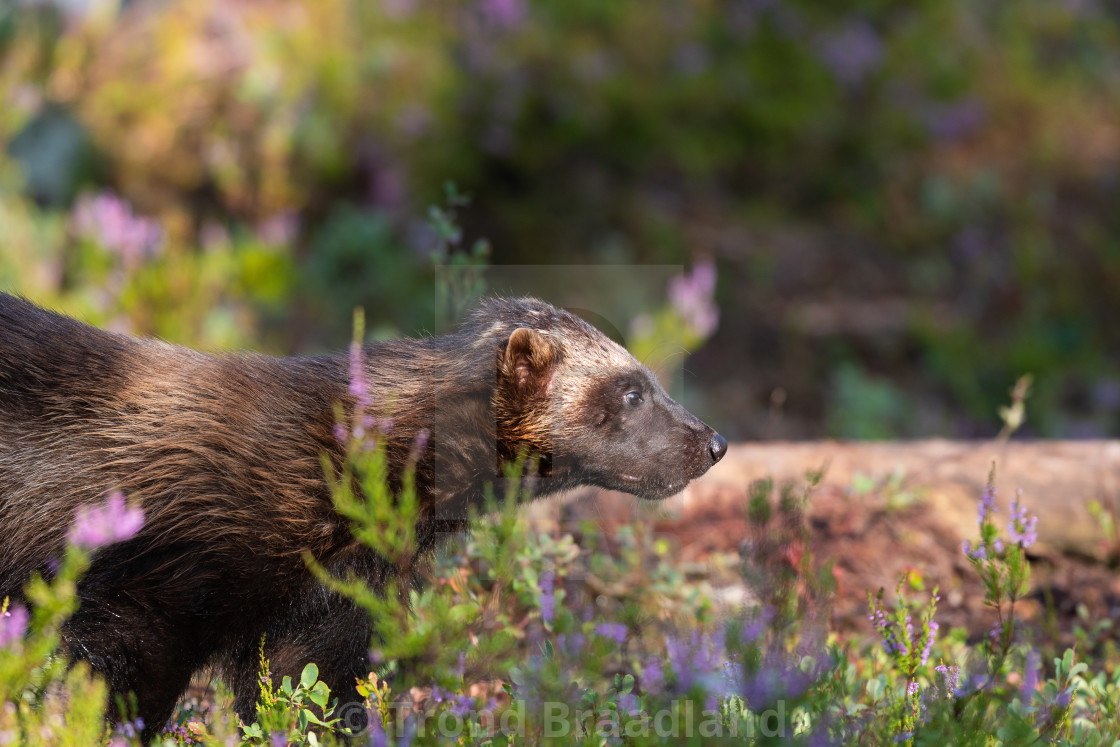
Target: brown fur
{"type": "Point", "coordinates": [224, 455]}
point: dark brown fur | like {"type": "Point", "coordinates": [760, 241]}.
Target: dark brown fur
{"type": "Point", "coordinates": [224, 455]}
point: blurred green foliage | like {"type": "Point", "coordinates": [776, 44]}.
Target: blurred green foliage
{"type": "Point", "coordinates": [910, 205]}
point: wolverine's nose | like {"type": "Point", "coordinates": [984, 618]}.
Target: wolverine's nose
{"type": "Point", "coordinates": [718, 447]}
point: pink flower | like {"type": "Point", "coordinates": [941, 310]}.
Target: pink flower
{"type": "Point", "coordinates": [13, 623]}
{"type": "Point", "coordinates": [278, 230]}
{"type": "Point", "coordinates": [111, 522]}
{"type": "Point", "coordinates": [503, 13]}
{"type": "Point", "coordinates": [109, 221]}
{"type": "Point", "coordinates": [359, 385]}
{"type": "Point", "coordinates": [692, 296]}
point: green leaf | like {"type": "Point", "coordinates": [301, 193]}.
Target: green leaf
{"type": "Point", "coordinates": [862, 483]}
{"type": "Point", "coordinates": [309, 676]}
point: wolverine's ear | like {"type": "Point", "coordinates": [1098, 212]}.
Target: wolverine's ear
{"type": "Point", "coordinates": [528, 360]}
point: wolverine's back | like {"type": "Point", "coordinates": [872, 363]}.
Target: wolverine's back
{"type": "Point", "coordinates": [197, 439]}
{"type": "Point", "coordinates": [54, 372]}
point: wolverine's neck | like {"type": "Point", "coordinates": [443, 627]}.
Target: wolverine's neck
{"type": "Point", "coordinates": [436, 400]}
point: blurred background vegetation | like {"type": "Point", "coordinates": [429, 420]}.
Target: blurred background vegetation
{"type": "Point", "coordinates": [906, 205]}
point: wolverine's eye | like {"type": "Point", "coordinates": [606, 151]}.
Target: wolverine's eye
{"type": "Point", "coordinates": [633, 399]}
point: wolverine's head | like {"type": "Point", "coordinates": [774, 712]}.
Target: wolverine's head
{"type": "Point", "coordinates": [594, 413]}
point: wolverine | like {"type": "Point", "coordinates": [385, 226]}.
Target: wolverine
{"type": "Point", "coordinates": [225, 455]}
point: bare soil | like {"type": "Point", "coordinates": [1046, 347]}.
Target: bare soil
{"type": "Point", "coordinates": [884, 510]}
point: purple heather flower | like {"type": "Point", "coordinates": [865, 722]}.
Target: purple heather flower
{"type": "Point", "coordinates": [547, 605]}
{"type": "Point", "coordinates": [912, 688]}
{"type": "Point", "coordinates": [380, 425]}
{"type": "Point", "coordinates": [420, 443]}
{"type": "Point", "coordinates": [691, 295]}
{"type": "Point", "coordinates": [571, 644]}
{"type": "Point", "coordinates": [109, 220]}
{"type": "Point", "coordinates": [614, 631]}
{"type": "Point", "coordinates": [278, 230]}
{"type": "Point", "coordinates": [980, 553]}
{"type": "Point", "coordinates": [131, 729]}
{"type": "Point", "coordinates": [278, 739]}
{"type": "Point", "coordinates": [502, 13]}
{"type": "Point", "coordinates": [777, 678]}
{"type": "Point", "coordinates": [1065, 697]}
{"type": "Point", "coordinates": [955, 120]}
{"type": "Point", "coordinates": [996, 633]}
{"type": "Point", "coordinates": [377, 735]}
{"type": "Point", "coordinates": [461, 705]}
{"type": "Point", "coordinates": [881, 623]}
{"type": "Point", "coordinates": [1022, 528]}
{"type": "Point", "coordinates": [409, 733]}
{"type": "Point", "coordinates": [103, 525]}
{"type": "Point", "coordinates": [700, 660]}
{"type": "Point", "coordinates": [13, 624]}
{"type": "Point", "coordinates": [359, 385]}
{"type": "Point", "coordinates": [732, 676]}
{"type": "Point", "coordinates": [933, 626]}
{"type": "Point", "coordinates": [757, 626]}
{"type": "Point", "coordinates": [852, 53]}
{"type": "Point", "coordinates": [987, 505]}
{"type": "Point", "coordinates": [213, 237]}
{"type": "Point", "coordinates": [1030, 677]}
{"type": "Point", "coordinates": [951, 677]}
{"type": "Point", "coordinates": [546, 600]}
{"type": "Point", "coordinates": [341, 433]}
{"type": "Point", "coordinates": [628, 704]}
{"type": "Point", "coordinates": [652, 678]}
{"type": "Point", "coordinates": [678, 660]}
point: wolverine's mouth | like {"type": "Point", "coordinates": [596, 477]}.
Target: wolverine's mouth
{"type": "Point", "coordinates": [650, 490]}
